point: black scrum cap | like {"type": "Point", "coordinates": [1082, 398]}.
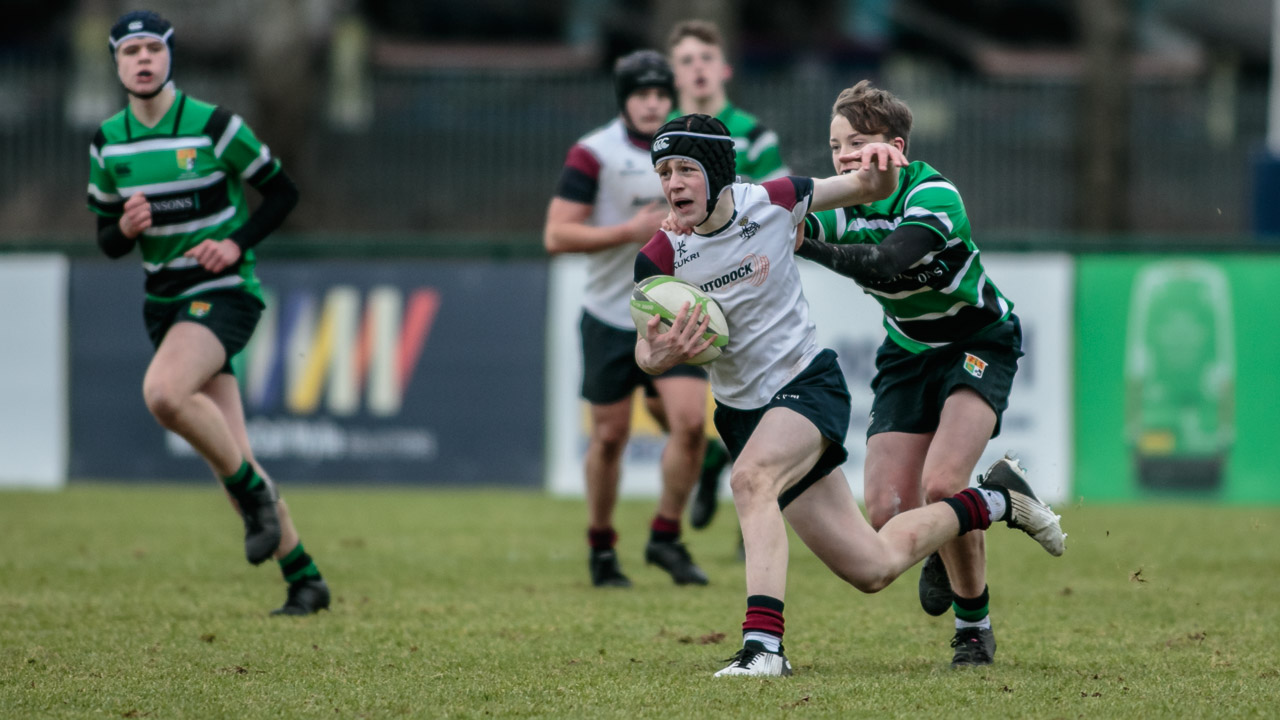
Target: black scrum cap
{"type": "Point", "coordinates": [703, 140]}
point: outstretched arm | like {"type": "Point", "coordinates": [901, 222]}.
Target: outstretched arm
{"type": "Point", "coordinates": [875, 179]}
{"type": "Point", "coordinates": [871, 264]}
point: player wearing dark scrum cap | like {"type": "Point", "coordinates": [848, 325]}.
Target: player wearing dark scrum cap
{"type": "Point", "coordinates": [782, 406]}
{"type": "Point", "coordinates": [609, 203]}
{"type": "Point", "coordinates": [697, 53]}
{"type": "Point", "coordinates": [166, 175]}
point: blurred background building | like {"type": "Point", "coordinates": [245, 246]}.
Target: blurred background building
{"type": "Point", "coordinates": [449, 119]}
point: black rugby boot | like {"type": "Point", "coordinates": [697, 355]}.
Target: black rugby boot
{"type": "Point", "coordinates": [305, 597]}
{"type": "Point", "coordinates": [674, 558]}
{"type": "Point", "coordinates": [261, 521]}
{"type": "Point", "coordinates": [974, 646]}
{"type": "Point", "coordinates": [605, 571]}
{"type": "Point", "coordinates": [935, 586]}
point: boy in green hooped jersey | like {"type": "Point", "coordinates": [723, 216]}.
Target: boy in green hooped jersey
{"type": "Point", "coordinates": [165, 174]}
{"type": "Point", "coordinates": [944, 372]}
{"type": "Point", "coordinates": [695, 50]}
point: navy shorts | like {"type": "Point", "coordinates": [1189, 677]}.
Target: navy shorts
{"type": "Point", "coordinates": [911, 388]}
{"type": "Point", "coordinates": [609, 369]}
{"type": "Point", "coordinates": [820, 394]}
{"type": "Point", "coordinates": [232, 315]}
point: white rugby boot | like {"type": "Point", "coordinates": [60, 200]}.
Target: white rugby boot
{"type": "Point", "coordinates": [1026, 512]}
{"type": "Point", "coordinates": [754, 660]}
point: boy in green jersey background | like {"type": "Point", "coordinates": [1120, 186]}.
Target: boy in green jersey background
{"type": "Point", "coordinates": [695, 50]}
{"type": "Point", "coordinates": [165, 175]}
{"type": "Point", "coordinates": [944, 372]}
{"type": "Point", "coordinates": [696, 53]}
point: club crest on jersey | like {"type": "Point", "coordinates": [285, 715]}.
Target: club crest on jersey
{"type": "Point", "coordinates": [199, 309]}
{"type": "Point", "coordinates": [974, 365]}
{"type": "Point", "coordinates": [187, 158]}
{"type": "Point", "coordinates": [749, 228]}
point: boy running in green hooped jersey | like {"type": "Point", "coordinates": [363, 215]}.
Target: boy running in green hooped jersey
{"type": "Point", "coordinates": [695, 50]}
{"type": "Point", "coordinates": [165, 174]}
{"type": "Point", "coordinates": [944, 372]}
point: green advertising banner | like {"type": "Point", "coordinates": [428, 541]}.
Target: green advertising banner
{"type": "Point", "coordinates": [1178, 377]}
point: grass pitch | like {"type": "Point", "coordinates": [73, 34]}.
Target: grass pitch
{"type": "Point", "coordinates": [135, 602]}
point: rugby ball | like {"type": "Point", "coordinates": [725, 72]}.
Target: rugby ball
{"type": "Point", "coordinates": [663, 295]}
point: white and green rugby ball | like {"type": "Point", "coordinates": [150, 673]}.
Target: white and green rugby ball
{"type": "Point", "coordinates": [664, 295]}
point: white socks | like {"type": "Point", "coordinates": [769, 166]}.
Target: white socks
{"type": "Point", "coordinates": [996, 504]}
{"type": "Point", "coordinates": [772, 643]}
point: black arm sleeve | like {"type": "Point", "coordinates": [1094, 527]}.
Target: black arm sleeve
{"type": "Point", "coordinates": [279, 196]}
{"type": "Point", "coordinates": [111, 239]}
{"type": "Point", "coordinates": [870, 264]}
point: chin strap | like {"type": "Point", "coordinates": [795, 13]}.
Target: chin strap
{"type": "Point", "coordinates": [153, 93]}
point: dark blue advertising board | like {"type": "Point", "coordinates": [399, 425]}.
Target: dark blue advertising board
{"type": "Point", "coordinates": [425, 372]}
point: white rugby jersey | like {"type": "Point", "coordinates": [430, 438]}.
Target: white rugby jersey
{"type": "Point", "coordinates": [610, 169]}
{"type": "Point", "coordinates": [749, 268]}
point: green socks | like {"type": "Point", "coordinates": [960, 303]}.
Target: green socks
{"type": "Point", "coordinates": [243, 481]}
{"type": "Point", "coordinates": [298, 565]}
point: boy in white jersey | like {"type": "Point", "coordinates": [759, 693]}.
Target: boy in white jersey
{"type": "Point", "coordinates": [696, 51]}
{"type": "Point", "coordinates": [608, 203]}
{"type": "Point", "coordinates": [782, 406]}
{"type": "Point", "coordinates": [944, 372]}
{"type": "Point", "coordinates": [166, 176]}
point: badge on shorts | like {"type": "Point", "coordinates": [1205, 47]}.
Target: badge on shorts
{"type": "Point", "coordinates": [974, 365]}
{"type": "Point", "coordinates": [199, 309]}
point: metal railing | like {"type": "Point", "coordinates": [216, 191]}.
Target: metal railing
{"type": "Point", "coordinates": [479, 152]}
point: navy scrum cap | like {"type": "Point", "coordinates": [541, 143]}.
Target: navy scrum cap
{"type": "Point", "coordinates": [642, 69]}
{"type": "Point", "coordinates": [143, 23]}
{"type": "Point", "coordinates": [703, 140]}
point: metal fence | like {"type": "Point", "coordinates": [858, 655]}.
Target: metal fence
{"type": "Point", "coordinates": [479, 151]}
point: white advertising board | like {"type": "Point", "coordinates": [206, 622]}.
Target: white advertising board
{"type": "Point", "coordinates": [33, 375]}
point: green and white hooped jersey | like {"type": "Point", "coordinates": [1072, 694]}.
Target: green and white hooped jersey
{"type": "Point", "coordinates": [190, 166]}
{"type": "Point", "coordinates": [756, 154]}
{"type": "Point", "coordinates": [946, 296]}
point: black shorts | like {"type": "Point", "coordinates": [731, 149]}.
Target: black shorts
{"type": "Point", "coordinates": [232, 315]}
{"type": "Point", "coordinates": [910, 388]}
{"type": "Point", "coordinates": [820, 394]}
{"type": "Point", "coordinates": [609, 369]}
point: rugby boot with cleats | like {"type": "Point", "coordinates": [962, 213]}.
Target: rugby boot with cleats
{"type": "Point", "coordinates": [705, 501]}
{"type": "Point", "coordinates": [605, 571]}
{"type": "Point", "coordinates": [261, 521]}
{"type": "Point", "coordinates": [754, 660]}
{"type": "Point", "coordinates": [305, 597]}
{"type": "Point", "coordinates": [974, 646]}
{"type": "Point", "coordinates": [935, 587]}
{"type": "Point", "coordinates": [674, 558]}
{"type": "Point", "coordinates": [1025, 511]}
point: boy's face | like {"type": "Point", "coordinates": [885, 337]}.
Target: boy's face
{"type": "Point", "coordinates": [647, 109]}
{"type": "Point", "coordinates": [685, 188]}
{"type": "Point", "coordinates": [844, 140]}
{"type": "Point", "coordinates": [699, 68]}
{"type": "Point", "coordinates": [142, 63]}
